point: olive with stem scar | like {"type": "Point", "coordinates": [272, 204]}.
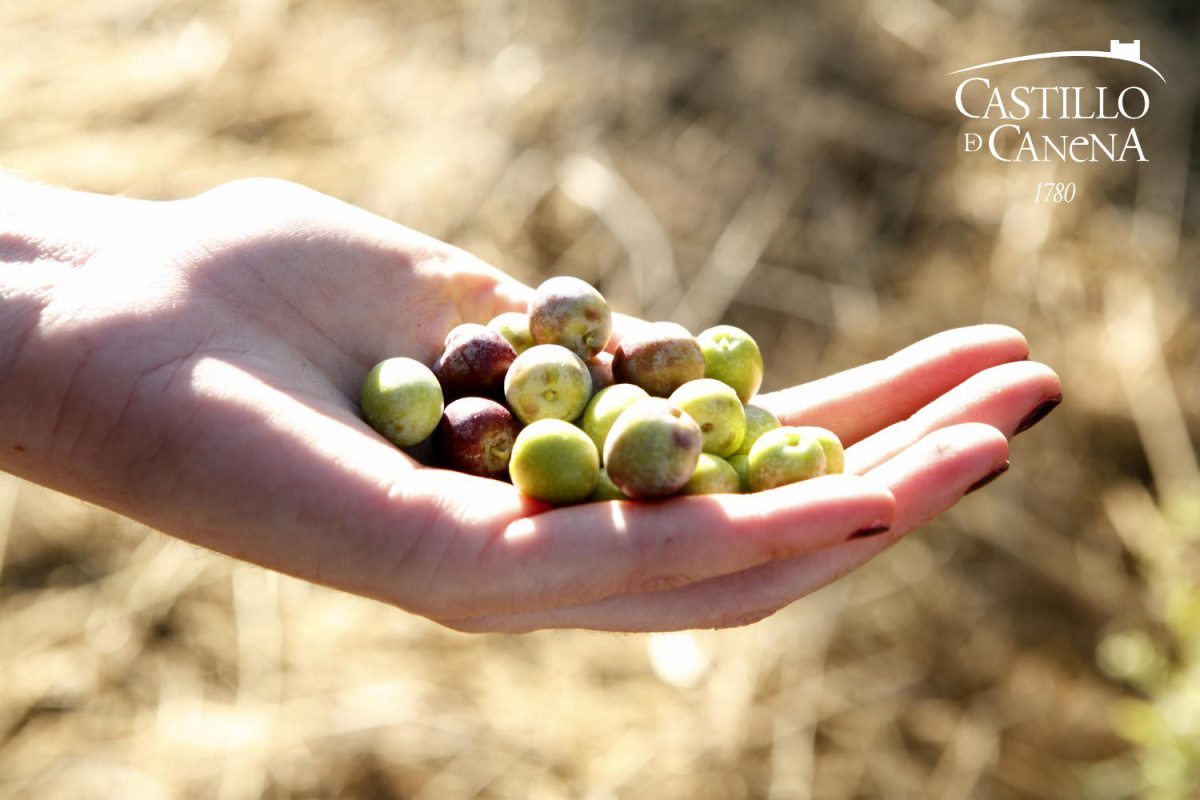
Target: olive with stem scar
{"type": "Point", "coordinates": [732, 356]}
{"type": "Point", "coordinates": [570, 312]}
{"type": "Point", "coordinates": [476, 436]}
{"type": "Point", "coordinates": [547, 382]}
{"type": "Point", "coordinates": [717, 410]}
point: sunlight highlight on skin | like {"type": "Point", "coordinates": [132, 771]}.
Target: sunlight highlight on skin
{"type": "Point", "coordinates": [520, 531]}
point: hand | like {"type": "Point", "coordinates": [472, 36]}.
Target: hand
{"type": "Point", "coordinates": [195, 365]}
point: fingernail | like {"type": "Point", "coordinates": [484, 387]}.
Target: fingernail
{"type": "Point", "coordinates": [986, 479]}
{"type": "Point", "coordinates": [1039, 413]}
{"type": "Point", "coordinates": [873, 530]}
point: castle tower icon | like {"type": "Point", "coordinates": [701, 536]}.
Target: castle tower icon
{"type": "Point", "coordinates": [1126, 51]}
{"type": "Point", "coordinates": [1117, 51]}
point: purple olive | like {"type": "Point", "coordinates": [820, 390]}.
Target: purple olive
{"type": "Point", "coordinates": [659, 358]}
{"type": "Point", "coordinates": [473, 362]}
{"type": "Point", "coordinates": [476, 435]}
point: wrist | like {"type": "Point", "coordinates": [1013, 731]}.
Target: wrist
{"type": "Point", "coordinates": [21, 310]}
{"type": "Point", "coordinates": [30, 269]}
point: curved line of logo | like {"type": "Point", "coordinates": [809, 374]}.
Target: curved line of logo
{"type": "Point", "coordinates": [1062, 54]}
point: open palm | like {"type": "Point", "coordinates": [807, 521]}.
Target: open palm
{"type": "Point", "coordinates": [195, 365]}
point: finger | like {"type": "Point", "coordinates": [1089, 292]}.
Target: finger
{"type": "Point", "coordinates": [925, 480]}
{"type": "Point", "coordinates": [933, 474]}
{"type": "Point", "coordinates": [575, 555]}
{"type": "Point", "coordinates": [858, 402]}
{"type": "Point", "coordinates": [1004, 397]}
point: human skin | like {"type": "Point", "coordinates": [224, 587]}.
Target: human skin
{"type": "Point", "coordinates": [194, 364]}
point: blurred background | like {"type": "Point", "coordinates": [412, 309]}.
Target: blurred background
{"type": "Point", "coordinates": [794, 168]}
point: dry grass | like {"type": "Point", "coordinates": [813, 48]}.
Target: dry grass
{"type": "Point", "coordinates": [790, 168]}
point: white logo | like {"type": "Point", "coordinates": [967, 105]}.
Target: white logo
{"type": "Point", "coordinates": [1117, 51]}
{"type": "Point", "coordinates": [1010, 107]}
